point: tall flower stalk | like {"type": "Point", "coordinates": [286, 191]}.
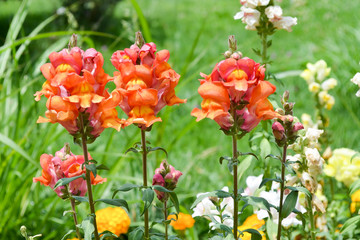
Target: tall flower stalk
{"type": "Point", "coordinates": [235, 96]}
{"type": "Point", "coordinates": [146, 83]}
{"type": "Point", "coordinates": [285, 133]}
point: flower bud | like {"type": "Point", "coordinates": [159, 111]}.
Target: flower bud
{"type": "Point", "coordinates": [232, 43]}
{"type": "Point", "coordinates": [227, 54]}
{"type": "Point", "coordinates": [285, 97]}
{"type": "Point", "coordinates": [278, 131]}
{"type": "Point", "coordinates": [23, 231]}
{"type": "Point", "coordinates": [297, 126]}
{"type": "Point", "coordinates": [236, 55]}
{"type": "Point", "coordinates": [280, 111]}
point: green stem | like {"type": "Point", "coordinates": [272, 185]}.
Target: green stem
{"type": "Point", "coordinates": [144, 158]}
{"type": "Point", "coordinates": [264, 49]}
{"type": "Point", "coordinates": [311, 216]}
{"type": "Point", "coordinates": [165, 218]}
{"type": "Point", "coordinates": [87, 174]}
{"type": "Point", "coordinates": [235, 174]}
{"type": "Point", "coordinates": [72, 201]}
{"type": "Point", "coordinates": [282, 184]}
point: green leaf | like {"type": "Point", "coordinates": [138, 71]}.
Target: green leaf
{"type": "Point", "coordinates": [107, 233]}
{"type": "Point", "coordinates": [255, 235]}
{"type": "Point", "coordinates": [354, 187]}
{"type": "Point", "coordinates": [102, 167]}
{"type": "Point", "coordinates": [265, 180]}
{"type": "Point", "coordinates": [126, 187]}
{"type": "Point", "coordinates": [143, 22]}
{"type": "Point", "coordinates": [114, 202]}
{"type": "Point", "coordinates": [64, 181]}
{"type": "Point", "coordinates": [88, 227]}
{"type": "Point", "coordinates": [274, 157]}
{"type": "Point", "coordinates": [137, 234]}
{"type": "Point", "coordinates": [289, 203]}
{"type": "Point", "coordinates": [67, 234]}
{"type": "Point", "coordinates": [10, 143]}
{"type": "Point", "coordinates": [244, 166]}
{"type": "Point", "coordinates": [80, 199]}
{"type": "Point", "coordinates": [175, 201]}
{"type": "Point", "coordinates": [258, 202]}
{"type": "Point", "coordinates": [161, 188]}
{"type": "Point", "coordinates": [350, 225]}
{"type": "Point", "coordinates": [268, 44]}
{"type": "Point", "coordinates": [201, 197]}
{"type": "Point", "coordinates": [157, 149]}
{"type": "Point", "coordinates": [92, 168]}
{"type": "Point", "coordinates": [222, 194]}
{"type": "Point", "coordinates": [248, 154]}
{"type": "Point", "coordinates": [301, 189]}
{"type": "Point", "coordinates": [226, 158]}
{"type": "Point", "coordinates": [265, 148]}
{"type": "Point", "coordinates": [148, 197]}
{"type": "Point", "coordinates": [132, 149]}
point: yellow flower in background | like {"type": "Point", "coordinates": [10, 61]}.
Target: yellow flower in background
{"type": "Point", "coordinates": [183, 221]}
{"type": "Point", "coordinates": [314, 87]}
{"type": "Point", "coordinates": [308, 76]}
{"type": "Point", "coordinates": [344, 165]}
{"type": "Point", "coordinates": [355, 201]}
{"type": "Point", "coordinates": [252, 222]}
{"type": "Point", "coordinates": [306, 121]}
{"type": "Point", "coordinates": [115, 220]}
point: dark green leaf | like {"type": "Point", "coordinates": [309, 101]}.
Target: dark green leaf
{"type": "Point", "coordinates": [115, 202]}
{"type": "Point", "coordinates": [175, 201]}
{"type": "Point", "coordinates": [64, 181]}
{"type": "Point", "coordinates": [137, 234]}
{"type": "Point", "coordinates": [301, 189]}
{"type": "Point", "coordinates": [201, 197]}
{"type": "Point", "coordinates": [88, 227]}
{"type": "Point", "coordinates": [255, 235]}
{"type": "Point", "coordinates": [226, 158]}
{"type": "Point", "coordinates": [92, 168]}
{"type": "Point", "coordinates": [124, 188]}
{"type": "Point", "coordinates": [289, 203]}
{"type": "Point", "coordinates": [80, 199]}
{"type": "Point", "coordinates": [265, 180]}
{"type": "Point", "coordinates": [107, 233]}
{"type": "Point", "coordinates": [258, 202]}
{"type": "Point", "coordinates": [132, 149]}
{"type": "Point", "coordinates": [161, 188]}
{"type": "Point", "coordinates": [222, 194]}
{"type": "Point", "coordinates": [268, 44]}
{"type": "Point", "coordinates": [148, 197]}
{"type": "Point", "coordinates": [67, 234]}
{"type": "Point", "coordinates": [350, 225]}
{"type": "Point", "coordinates": [157, 149]}
{"type": "Point", "coordinates": [249, 154]}
{"type": "Point", "coordinates": [274, 157]}
{"type": "Point", "coordinates": [102, 167]}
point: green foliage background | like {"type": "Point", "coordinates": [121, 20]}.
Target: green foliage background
{"type": "Point", "coordinates": [195, 33]}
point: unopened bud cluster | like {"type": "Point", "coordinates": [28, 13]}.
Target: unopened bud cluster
{"type": "Point", "coordinates": [285, 129]}
{"type": "Point", "coordinates": [232, 53]}
{"type": "Point", "coordinates": [166, 176]}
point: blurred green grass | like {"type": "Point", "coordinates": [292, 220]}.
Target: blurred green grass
{"type": "Point", "coordinates": [195, 33]}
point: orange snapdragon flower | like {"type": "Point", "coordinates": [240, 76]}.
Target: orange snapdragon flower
{"type": "Point", "coordinates": [75, 84]}
{"type": "Point", "coordinates": [65, 165]}
{"type": "Point", "coordinates": [236, 84]}
{"type": "Point", "coordinates": [146, 81]}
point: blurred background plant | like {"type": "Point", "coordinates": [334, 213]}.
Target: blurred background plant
{"type": "Point", "coordinates": [195, 36]}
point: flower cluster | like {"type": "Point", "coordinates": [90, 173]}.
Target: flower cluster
{"type": "Point", "coordinates": [75, 84]}
{"type": "Point", "coordinates": [252, 11]}
{"type": "Point", "coordinates": [344, 165]}
{"type": "Point", "coordinates": [315, 75]}
{"type": "Point", "coordinates": [273, 197]}
{"type": "Point", "coordinates": [252, 222]}
{"type": "Point", "coordinates": [65, 165]}
{"type": "Point", "coordinates": [212, 206]}
{"type": "Point", "coordinates": [356, 80]}
{"type": "Point", "coordinates": [167, 177]}
{"type": "Point", "coordinates": [146, 81]}
{"type": "Point", "coordinates": [236, 84]}
{"type": "Point", "coordinates": [182, 222]}
{"type": "Point", "coordinates": [115, 220]}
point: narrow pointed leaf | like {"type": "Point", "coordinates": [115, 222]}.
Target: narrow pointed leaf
{"type": "Point", "coordinates": [64, 181]}
{"type": "Point", "coordinates": [289, 203]}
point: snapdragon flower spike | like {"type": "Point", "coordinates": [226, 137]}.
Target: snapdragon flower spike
{"type": "Point", "coordinates": [75, 84]}
{"type": "Point", "coordinates": [240, 83]}
{"type": "Point", "coordinates": [146, 81]}
{"type": "Point", "coordinates": [166, 176]}
{"type": "Point", "coordinates": [65, 165]}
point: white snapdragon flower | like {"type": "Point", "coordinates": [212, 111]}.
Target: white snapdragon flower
{"type": "Point", "coordinates": [313, 134]}
{"type": "Point", "coordinates": [314, 161]}
{"type": "Point", "coordinates": [249, 16]}
{"type": "Point", "coordinates": [274, 13]}
{"type": "Point", "coordinates": [309, 182]}
{"type": "Point", "coordinates": [253, 184]}
{"type": "Point", "coordinates": [329, 84]}
{"type": "Point", "coordinates": [356, 80]}
{"type": "Point", "coordinates": [205, 207]}
{"type": "Point", "coordinates": [285, 23]}
{"type": "Point", "coordinates": [254, 3]}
